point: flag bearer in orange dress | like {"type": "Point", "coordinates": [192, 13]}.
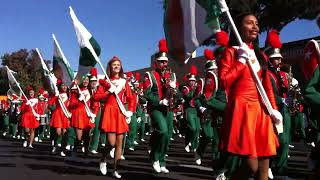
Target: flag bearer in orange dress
{"type": "Point", "coordinates": [114, 122]}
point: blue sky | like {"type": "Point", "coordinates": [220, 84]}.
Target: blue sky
{"type": "Point", "coordinates": [125, 28]}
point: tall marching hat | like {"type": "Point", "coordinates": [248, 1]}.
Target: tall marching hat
{"type": "Point", "coordinates": [29, 88]}
{"type": "Point", "coordinates": [41, 94]}
{"type": "Point", "coordinates": [273, 45]}
{"type": "Point", "coordinates": [138, 77]}
{"type": "Point", "coordinates": [162, 55]}
{"type": "Point", "coordinates": [211, 62]}
{"type": "Point", "coordinates": [193, 73]}
{"type": "Point", "coordinates": [93, 74]}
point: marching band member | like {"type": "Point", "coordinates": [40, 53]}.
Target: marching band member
{"type": "Point", "coordinates": [157, 84]}
{"type": "Point", "coordinates": [248, 129]}
{"type": "Point", "coordinates": [60, 119]}
{"type": "Point", "coordinates": [29, 119]}
{"type": "Point", "coordinates": [193, 121]}
{"type": "Point", "coordinates": [113, 121]}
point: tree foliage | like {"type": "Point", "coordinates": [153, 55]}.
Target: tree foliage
{"type": "Point", "coordinates": [28, 67]}
{"type": "Point", "coordinates": [276, 14]}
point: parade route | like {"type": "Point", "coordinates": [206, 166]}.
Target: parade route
{"type": "Point", "coordinates": [37, 164]}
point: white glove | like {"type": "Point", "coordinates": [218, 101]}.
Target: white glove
{"type": "Point", "coordinates": [202, 109]}
{"type": "Point", "coordinates": [93, 115]}
{"type": "Point", "coordinates": [112, 88]}
{"type": "Point", "coordinates": [28, 103]}
{"type": "Point", "coordinates": [243, 53]}
{"type": "Point", "coordinates": [138, 119]}
{"type": "Point", "coordinates": [173, 84]}
{"type": "Point", "coordinates": [56, 93]}
{"type": "Point", "coordinates": [128, 114]}
{"type": "Point", "coordinates": [278, 120]}
{"type": "Point", "coordinates": [128, 120]}
{"type": "Point", "coordinates": [81, 98]}
{"type": "Point", "coordinates": [284, 101]}
{"type": "Point", "coordinates": [164, 102]}
{"type": "Point", "coordinates": [92, 118]}
{"type": "Point", "coordinates": [294, 82]}
{"type": "Point", "coordinates": [37, 116]}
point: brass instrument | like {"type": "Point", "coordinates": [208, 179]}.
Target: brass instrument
{"type": "Point", "coordinates": [294, 94]}
{"type": "Point", "coordinates": [11, 94]}
{"type": "Point", "coordinates": [170, 92]}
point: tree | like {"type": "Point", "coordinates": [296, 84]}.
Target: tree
{"type": "Point", "coordinates": [27, 65]}
{"type": "Point", "coordinates": [276, 14]}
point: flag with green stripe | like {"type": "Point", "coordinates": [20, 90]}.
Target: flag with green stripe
{"type": "Point", "coordinates": [86, 42]}
{"type": "Point", "coordinates": [61, 66]}
{"type": "Point", "coordinates": [188, 24]}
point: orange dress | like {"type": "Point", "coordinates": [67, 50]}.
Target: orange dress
{"type": "Point", "coordinates": [58, 118]}
{"type": "Point", "coordinates": [112, 119]}
{"type": "Point", "coordinates": [28, 120]}
{"type": "Point", "coordinates": [79, 118]}
{"type": "Point", "coordinates": [247, 128]}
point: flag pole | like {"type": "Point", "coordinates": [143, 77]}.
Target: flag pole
{"type": "Point", "coordinates": [45, 68]}
{"type": "Point", "coordinates": [33, 112]}
{"type": "Point", "coordinates": [261, 90]}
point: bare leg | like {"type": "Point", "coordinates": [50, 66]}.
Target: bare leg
{"type": "Point", "coordinates": [118, 151]}
{"type": "Point", "coordinates": [263, 166]}
{"type": "Point", "coordinates": [31, 137]}
{"type": "Point", "coordinates": [248, 168]}
{"type": "Point", "coordinates": [111, 142]}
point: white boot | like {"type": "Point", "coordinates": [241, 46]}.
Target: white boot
{"type": "Point", "coordinates": [163, 169]}
{"type": "Point", "coordinates": [221, 176]}
{"type": "Point", "coordinates": [25, 144]}
{"type": "Point", "coordinates": [198, 161]}
{"type": "Point", "coordinates": [116, 175]}
{"type": "Point", "coordinates": [94, 152]}
{"type": "Point", "coordinates": [187, 148]}
{"type": "Point", "coordinates": [62, 154]}
{"type": "Point", "coordinates": [270, 174]}
{"type": "Point", "coordinates": [103, 168]}
{"type": "Point", "coordinates": [156, 166]}
{"type": "Point", "coordinates": [54, 149]}
{"type": "Point", "coordinates": [112, 153]}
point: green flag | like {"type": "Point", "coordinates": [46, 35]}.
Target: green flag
{"type": "Point", "coordinates": [86, 42]}
{"type": "Point", "coordinates": [61, 66]}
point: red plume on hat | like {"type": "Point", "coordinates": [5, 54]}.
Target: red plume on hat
{"type": "Point", "coordinates": [14, 97]}
{"type": "Point", "coordinates": [41, 91]}
{"type": "Point", "coordinates": [185, 78]}
{"type": "Point", "coordinates": [3, 101]}
{"type": "Point", "coordinates": [59, 82]}
{"type": "Point", "coordinates": [29, 88]}
{"type": "Point", "coordinates": [129, 74]}
{"type": "Point", "coordinates": [208, 54]}
{"type": "Point", "coordinates": [93, 71]}
{"type": "Point", "coordinates": [46, 95]}
{"type": "Point", "coordinates": [273, 39]}
{"type": "Point", "coordinates": [193, 70]}
{"type": "Point", "coordinates": [138, 76]}
{"type": "Point", "coordinates": [222, 38]}
{"type": "Point", "coordinates": [163, 46]}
